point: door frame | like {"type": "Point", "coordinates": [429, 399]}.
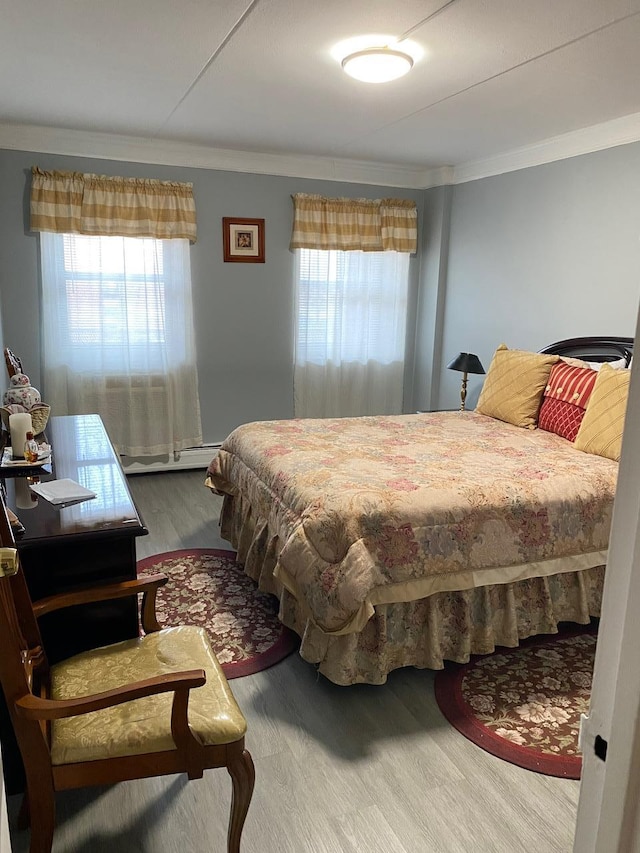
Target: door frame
{"type": "Point", "coordinates": [609, 803]}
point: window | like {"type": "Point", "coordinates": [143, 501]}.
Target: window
{"type": "Point", "coordinates": [351, 322]}
{"type": "Point", "coordinates": [111, 300]}
{"type": "Point", "coordinates": [118, 338]}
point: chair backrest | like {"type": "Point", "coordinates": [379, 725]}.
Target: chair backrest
{"type": "Point", "coordinates": [14, 364]}
{"type": "Point", "coordinates": [24, 667]}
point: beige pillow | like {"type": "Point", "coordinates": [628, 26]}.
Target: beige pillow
{"type": "Point", "coordinates": [513, 389]}
{"type": "Point", "coordinates": [601, 428]}
{"type": "Point", "coordinates": [574, 362]}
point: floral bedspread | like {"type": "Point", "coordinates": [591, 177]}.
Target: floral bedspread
{"type": "Point", "coordinates": [375, 510]}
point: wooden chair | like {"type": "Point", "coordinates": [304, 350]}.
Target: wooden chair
{"type": "Point", "coordinates": [14, 364]}
{"type": "Point", "coordinates": [70, 722]}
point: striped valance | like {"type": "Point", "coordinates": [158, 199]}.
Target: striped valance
{"type": "Point", "coordinates": [76, 203]}
{"type": "Point", "coordinates": [354, 224]}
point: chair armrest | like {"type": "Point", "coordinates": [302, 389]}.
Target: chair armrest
{"type": "Point", "coordinates": [148, 586]}
{"type": "Point", "coordinates": [36, 708]}
{"type": "Point", "coordinates": [179, 683]}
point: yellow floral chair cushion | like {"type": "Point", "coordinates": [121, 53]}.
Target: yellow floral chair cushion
{"type": "Point", "coordinates": [512, 391]}
{"type": "Point", "coordinates": [143, 725]}
{"type": "Point", "coordinates": [603, 423]}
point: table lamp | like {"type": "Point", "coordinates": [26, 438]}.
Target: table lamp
{"type": "Point", "coordinates": [465, 363]}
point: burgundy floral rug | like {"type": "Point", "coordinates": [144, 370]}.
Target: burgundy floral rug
{"type": "Point", "coordinates": [209, 589]}
{"type": "Point", "coordinates": [524, 704]}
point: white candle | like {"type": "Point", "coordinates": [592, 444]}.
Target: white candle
{"type": "Point", "coordinates": [19, 425]}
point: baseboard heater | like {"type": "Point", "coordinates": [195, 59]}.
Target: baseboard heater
{"type": "Point", "coordinates": [179, 460]}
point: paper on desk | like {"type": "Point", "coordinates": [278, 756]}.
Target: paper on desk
{"type": "Point", "coordinates": [62, 491]}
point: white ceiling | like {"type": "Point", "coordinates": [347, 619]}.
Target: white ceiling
{"type": "Point", "coordinates": [497, 76]}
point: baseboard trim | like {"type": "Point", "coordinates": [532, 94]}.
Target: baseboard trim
{"type": "Point", "coordinates": [181, 460]}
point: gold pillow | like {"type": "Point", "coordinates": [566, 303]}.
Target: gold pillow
{"type": "Point", "coordinates": [513, 389]}
{"type": "Point", "coordinates": [601, 428]}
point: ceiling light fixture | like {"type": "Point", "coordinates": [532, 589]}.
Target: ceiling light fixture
{"type": "Point", "coordinates": [377, 64]}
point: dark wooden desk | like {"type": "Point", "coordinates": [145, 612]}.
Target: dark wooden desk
{"type": "Point", "coordinates": [84, 544]}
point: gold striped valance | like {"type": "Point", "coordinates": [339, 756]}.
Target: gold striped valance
{"type": "Point", "coordinates": [76, 203]}
{"type": "Point", "coordinates": [354, 224]}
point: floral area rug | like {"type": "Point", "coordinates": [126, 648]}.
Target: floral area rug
{"type": "Point", "coordinates": [209, 589]}
{"type": "Point", "coordinates": [524, 704]}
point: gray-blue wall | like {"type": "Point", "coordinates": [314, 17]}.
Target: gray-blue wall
{"type": "Point", "coordinates": [243, 312]}
{"type": "Point", "coordinates": [527, 258]}
{"type": "Point", "coordinates": [542, 254]}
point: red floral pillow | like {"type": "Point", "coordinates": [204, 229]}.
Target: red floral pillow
{"type": "Point", "coordinates": [565, 399]}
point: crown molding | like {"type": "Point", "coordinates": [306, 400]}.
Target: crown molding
{"type": "Point", "coordinates": [104, 146]}
{"type": "Point", "coordinates": [439, 176]}
{"type": "Point", "coordinates": [609, 134]}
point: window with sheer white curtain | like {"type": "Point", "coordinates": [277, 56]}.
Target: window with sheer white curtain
{"type": "Point", "coordinates": [118, 337]}
{"type": "Point", "coordinates": [351, 311]}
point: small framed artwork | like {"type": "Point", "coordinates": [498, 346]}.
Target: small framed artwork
{"type": "Point", "coordinates": [243, 240]}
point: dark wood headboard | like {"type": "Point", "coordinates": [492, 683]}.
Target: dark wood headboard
{"type": "Point", "coordinates": [608, 348]}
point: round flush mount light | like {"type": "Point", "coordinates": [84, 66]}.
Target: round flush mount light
{"type": "Point", "coordinates": [377, 57]}
{"type": "Point", "coordinates": [377, 64]}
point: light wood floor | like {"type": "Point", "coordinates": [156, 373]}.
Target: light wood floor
{"type": "Point", "coordinates": [338, 769]}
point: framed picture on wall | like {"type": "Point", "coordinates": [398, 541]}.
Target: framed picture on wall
{"type": "Point", "coordinates": [243, 240]}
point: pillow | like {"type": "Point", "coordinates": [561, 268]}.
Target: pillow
{"type": "Point", "coordinates": [565, 399]}
{"type": "Point", "coordinates": [618, 364]}
{"type": "Point", "coordinates": [575, 362]}
{"type": "Point", "coordinates": [601, 428]}
{"type": "Point", "coordinates": [514, 385]}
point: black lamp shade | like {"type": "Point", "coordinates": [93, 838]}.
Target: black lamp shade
{"type": "Point", "coordinates": [466, 362]}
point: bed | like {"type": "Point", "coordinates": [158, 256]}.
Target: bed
{"type": "Point", "coordinates": [409, 540]}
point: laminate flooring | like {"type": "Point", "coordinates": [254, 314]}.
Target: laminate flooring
{"type": "Point", "coordinates": [338, 769]}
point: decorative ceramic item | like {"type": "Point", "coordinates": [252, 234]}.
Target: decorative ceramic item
{"type": "Point", "coordinates": [21, 392]}
{"type": "Point", "coordinates": [39, 415]}
{"type": "Point", "coordinates": [11, 409]}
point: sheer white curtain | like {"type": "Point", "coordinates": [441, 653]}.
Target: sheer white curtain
{"type": "Point", "coordinates": [351, 311]}
{"type": "Point", "coordinates": [118, 338]}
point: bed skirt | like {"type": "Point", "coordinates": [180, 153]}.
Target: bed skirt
{"type": "Point", "coordinates": [423, 633]}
